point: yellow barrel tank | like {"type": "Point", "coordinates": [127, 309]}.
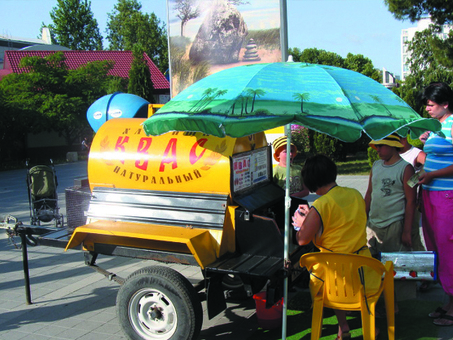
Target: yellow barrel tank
{"type": "Point", "coordinates": [123, 156]}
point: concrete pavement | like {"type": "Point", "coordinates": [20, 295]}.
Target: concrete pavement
{"type": "Point", "coordinates": [70, 301]}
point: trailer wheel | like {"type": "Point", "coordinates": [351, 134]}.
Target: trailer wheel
{"type": "Point", "coordinates": [159, 303]}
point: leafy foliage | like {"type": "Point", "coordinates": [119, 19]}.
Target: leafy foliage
{"type": "Point", "coordinates": [74, 25]}
{"type": "Point", "coordinates": [372, 156]}
{"type": "Point", "coordinates": [316, 56]}
{"type": "Point", "coordinates": [301, 139]}
{"type": "Point", "coordinates": [425, 67]}
{"type": "Point", "coordinates": [441, 12]}
{"type": "Point", "coordinates": [140, 82]}
{"type": "Point", "coordinates": [52, 97]}
{"type": "Point", "coordinates": [321, 143]}
{"type": "Point", "coordinates": [128, 26]}
{"type": "Point", "coordinates": [361, 64]}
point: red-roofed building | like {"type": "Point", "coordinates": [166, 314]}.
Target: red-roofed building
{"type": "Point", "coordinates": [50, 144]}
{"type": "Point", "coordinates": [74, 59]}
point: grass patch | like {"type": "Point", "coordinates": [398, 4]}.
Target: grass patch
{"type": "Point", "coordinates": [412, 322]}
{"type": "Point", "coordinates": [354, 167]}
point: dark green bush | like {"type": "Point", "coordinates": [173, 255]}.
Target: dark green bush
{"type": "Point", "coordinates": [372, 156]}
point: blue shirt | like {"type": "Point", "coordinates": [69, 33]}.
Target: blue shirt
{"type": "Point", "coordinates": [439, 155]}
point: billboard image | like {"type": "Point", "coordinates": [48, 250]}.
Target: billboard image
{"type": "Point", "coordinates": [207, 36]}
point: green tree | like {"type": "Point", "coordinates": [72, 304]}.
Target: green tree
{"type": "Point", "coordinates": [140, 82]}
{"type": "Point", "coordinates": [316, 56]}
{"type": "Point", "coordinates": [361, 64]}
{"type": "Point", "coordinates": [52, 97]}
{"type": "Point", "coordinates": [74, 25]}
{"type": "Point", "coordinates": [128, 26]}
{"type": "Point", "coordinates": [425, 68]}
{"type": "Point", "coordinates": [117, 84]}
{"type": "Point", "coordinates": [12, 136]}
{"type": "Point", "coordinates": [441, 12]}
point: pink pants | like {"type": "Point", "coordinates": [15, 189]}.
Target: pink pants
{"type": "Point", "coordinates": [437, 223]}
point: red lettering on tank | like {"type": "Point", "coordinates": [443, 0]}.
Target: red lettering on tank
{"type": "Point", "coordinates": [193, 158]}
{"type": "Point", "coordinates": [120, 145]}
{"type": "Point", "coordinates": [142, 148]}
{"type": "Point", "coordinates": [169, 155]}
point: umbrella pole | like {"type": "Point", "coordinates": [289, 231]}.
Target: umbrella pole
{"type": "Point", "coordinates": [287, 228]}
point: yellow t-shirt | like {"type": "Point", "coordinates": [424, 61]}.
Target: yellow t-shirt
{"type": "Point", "coordinates": [343, 216]}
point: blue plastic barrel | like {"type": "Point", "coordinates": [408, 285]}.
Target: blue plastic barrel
{"type": "Point", "coordinates": [116, 105]}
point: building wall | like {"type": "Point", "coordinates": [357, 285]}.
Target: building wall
{"type": "Point", "coordinates": [8, 43]}
{"type": "Point", "coordinates": [388, 79]}
{"type": "Point", "coordinates": [408, 34]}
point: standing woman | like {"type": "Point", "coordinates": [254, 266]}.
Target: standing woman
{"type": "Point", "coordinates": [437, 184]}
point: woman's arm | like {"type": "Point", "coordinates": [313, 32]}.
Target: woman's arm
{"type": "Point", "coordinates": [368, 194]}
{"type": "Point", "coordinates": [421, 157]}
{"type": "Point", "coordinates": [427, 177]}
{"type": "Point", "coordinates": [409, 211]}
{"type": "Point", "coordinates": [309, 223]}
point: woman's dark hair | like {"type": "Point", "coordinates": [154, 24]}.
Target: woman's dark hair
{"type": "Point", "coordinates": [318, 171]}
{"type": "Point", "coordinates": [438, 93]}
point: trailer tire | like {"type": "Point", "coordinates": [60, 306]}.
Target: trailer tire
{"type": "Point", "coordinates": [159, 303]}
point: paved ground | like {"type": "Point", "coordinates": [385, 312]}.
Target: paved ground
{"type": "Point", "coordinates": [70, 301]}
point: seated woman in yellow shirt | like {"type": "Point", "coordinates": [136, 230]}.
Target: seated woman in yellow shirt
{"type": "Point", "coordinates": [336, 222]}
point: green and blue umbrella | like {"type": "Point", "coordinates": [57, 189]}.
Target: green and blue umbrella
{"type": "Point", "coordinates": [247, 99]}
{"type": "Point", "coordinates": [244, 100]}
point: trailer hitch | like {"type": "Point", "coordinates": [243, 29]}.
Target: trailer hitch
{"type": "Point", "coordinates": [14, 227]}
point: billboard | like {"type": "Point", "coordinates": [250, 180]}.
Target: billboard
{"type": "Point", "coordinates": [207, 36]}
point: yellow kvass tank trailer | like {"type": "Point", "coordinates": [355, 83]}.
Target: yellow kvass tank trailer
{"type": "Point", "coordinates": [185, 198]}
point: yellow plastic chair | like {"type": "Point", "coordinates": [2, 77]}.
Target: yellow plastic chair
{"type": "Point", "coordinates": [343, 289]}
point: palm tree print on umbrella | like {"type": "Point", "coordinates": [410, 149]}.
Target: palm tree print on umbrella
{"type": "Point", "coordinates": [301, 97]}
{"type": "Point", "coordinates": [377, 99]}
{"type": "Point", "coordinates": [244, 97]}
{"type": "Point", "coordinates": [255, 93]}
{"type": "Point", "coordinates": [208, 96]}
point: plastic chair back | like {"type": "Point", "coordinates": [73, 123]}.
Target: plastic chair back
{"type": "Point", "coordinates": [345, 288]}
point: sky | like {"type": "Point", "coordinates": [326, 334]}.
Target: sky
{"type": "Point", "coordinates": [341, 26]}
